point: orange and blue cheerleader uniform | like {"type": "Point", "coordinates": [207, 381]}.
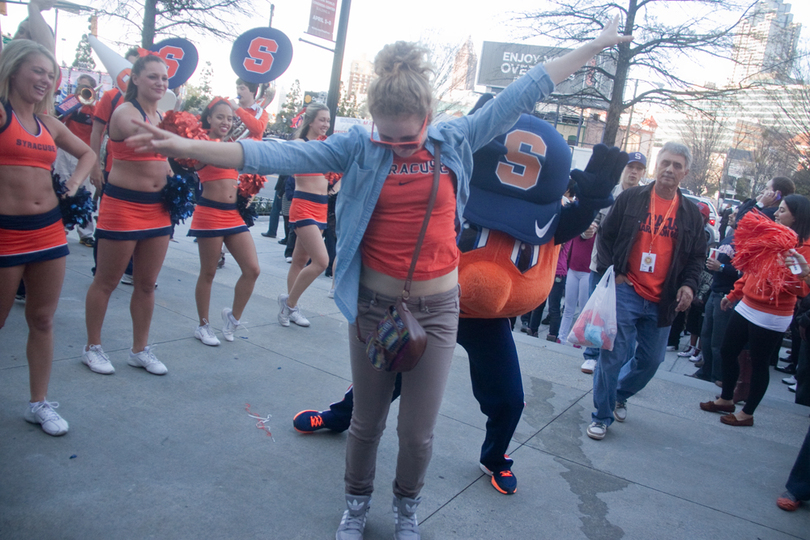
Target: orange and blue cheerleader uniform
{"type": "Point", "coordinates": [29, 238]}
{"type": "Point", "coordinates": [126, 214]}
{"type": "Point", "coordinates": [308, 209]}
{"type": "Point", "coordinates": [213, 218]}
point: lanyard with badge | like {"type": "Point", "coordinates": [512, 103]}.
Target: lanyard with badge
{"type": "Point", "coordinates": [648, 258]}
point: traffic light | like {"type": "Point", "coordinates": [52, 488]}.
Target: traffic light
{"type": "Point", "coordinates": [93, 27]}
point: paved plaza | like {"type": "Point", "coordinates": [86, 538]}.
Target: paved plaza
{"type": "Point", "coordinates": [179, 457]}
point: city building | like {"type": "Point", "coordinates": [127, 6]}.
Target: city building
{"type": "Point", "coordinates": [765, 45]}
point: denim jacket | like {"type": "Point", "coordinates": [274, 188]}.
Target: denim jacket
{"type": "Point", "coordinates": [366, 165]}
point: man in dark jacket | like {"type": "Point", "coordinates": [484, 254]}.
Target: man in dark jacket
{"type": "Point", "coordinates": [654, 239]}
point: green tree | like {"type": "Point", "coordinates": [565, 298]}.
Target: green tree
{"type": "Point", "coordinates": [84, 55]}
{"type": "Point", "coordinates": [347, 106]}
{"type": "Point", "coordinates": [198, 96]}
{"type": "Point", "coordinates": [665, 33]}
{"type": "Point", "coordinates": [289, 109]}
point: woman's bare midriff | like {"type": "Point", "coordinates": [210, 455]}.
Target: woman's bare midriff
{"type": "Point", "coordinates": [25, 191]}
{"type": "Point", "coordinates": [316, 184]}
{"type": "Point", "coordinates": [148, 176]}
{"type": "Point", "coordinates": [223, 191]}
{"type": "Point", "coordinates": [390, 286]}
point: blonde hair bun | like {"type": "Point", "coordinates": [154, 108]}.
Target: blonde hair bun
{"type": "Point", "coordinates": [402, 86]}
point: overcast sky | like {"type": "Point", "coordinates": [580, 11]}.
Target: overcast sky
{"type": "Point", "coordinates": [372, 24]}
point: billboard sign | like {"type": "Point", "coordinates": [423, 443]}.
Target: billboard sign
{"type": "Point", "coordinates": [502, 63]}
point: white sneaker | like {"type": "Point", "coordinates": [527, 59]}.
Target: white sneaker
{"type": "Point", "coordinates": [620, 411]}
{"type": "Point", "coordinates": [688, 351]}
{"type": "Point", "coordinates": [206, 335]}
{"type": "Point", "coordinates": [95, 358]}
{"type": "Point", "coordinates": [126, 279]}
{"type": "Point", "coordinates": [588, 366]}
{"type": "Point", "coordinates": [789, 380]}
{"type": "Point", "coordinates": [230, 324]}
{"type": "Point", "coordinates": [297, 318]}
{"type": "Point", "coordinates": [697, 357]}
{"type": "Point", "coordinates": [793, 387]}
{"type": "Point", "coordinates": [597, 431]}
{"type": "Point", "coordinates": [43, 413]}
{"type": "Point", "coordinates": [148, 361]}
{"type": "Point", "coordinates": [288, 259]}
{"type": "Point", "coordinates": [331, 293]}
{"type": "Point", "coordinates": [283, 310]}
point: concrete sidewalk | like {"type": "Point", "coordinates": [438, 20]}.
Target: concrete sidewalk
{"type": "Point", "coordinates": [178, 456]}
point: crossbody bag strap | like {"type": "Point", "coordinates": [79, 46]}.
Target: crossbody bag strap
{"type": "Point", "coordinates": [437, 166]}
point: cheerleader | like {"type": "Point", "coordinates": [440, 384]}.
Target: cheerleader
{"type": "Point", "coordinates": [308, 220]}
{"type": "Point", "coordinates": [33, 245]}
{"type": "Point", "coordinates": [132, 221]}
{"type": "Point", "coordinates": [215, 221]}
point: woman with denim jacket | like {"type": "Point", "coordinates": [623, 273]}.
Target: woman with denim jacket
{"type": "Point", "coordinates": [386, 183]}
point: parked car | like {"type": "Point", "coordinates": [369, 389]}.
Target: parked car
{"type": "Point", "coordinates": [712, 236]}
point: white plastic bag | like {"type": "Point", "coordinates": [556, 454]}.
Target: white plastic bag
{"type": "Point", "coordinates": [596, 325]}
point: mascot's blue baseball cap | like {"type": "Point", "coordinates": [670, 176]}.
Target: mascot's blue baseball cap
{"type": "Point", "coordinates": [518, 181]}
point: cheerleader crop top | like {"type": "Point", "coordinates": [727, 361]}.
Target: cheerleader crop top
{"type": "Point", "coordinates": [209, 173]}
{"type": "Point", "coordinates": [122, 152]}
{"type": "Point", "coordinates": [22, 149]}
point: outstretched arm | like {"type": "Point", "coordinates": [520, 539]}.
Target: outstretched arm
{"type": "Point", "coordinates": [563, 67]}
{"type": "Point", "coordinates": [219, 154]}
{"type": "Point", "coordinates": [38, 29]}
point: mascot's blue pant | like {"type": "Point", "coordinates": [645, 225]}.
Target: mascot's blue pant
{"type": "Point", "coordinates": [496, 383]}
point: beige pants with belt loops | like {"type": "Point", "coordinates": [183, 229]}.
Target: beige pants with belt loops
{"type": "Point", "coordinates": [422, 391]}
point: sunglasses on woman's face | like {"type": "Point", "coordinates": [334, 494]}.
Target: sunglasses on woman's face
{"type": "Point", "coordinates": [412, 144]}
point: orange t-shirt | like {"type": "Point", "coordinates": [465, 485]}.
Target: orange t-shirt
{"type": "Point", "coordinates": [80, 123]}
{"type": "Point", "coordinates": [649, 285]}
{"type": "Point", "coordinates": [391, 235]}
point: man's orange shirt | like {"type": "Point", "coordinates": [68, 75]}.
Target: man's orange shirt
{"type": "Point", "coordinates": [81, 124]}
{"type": "Point", "coordinates": [649, 285]}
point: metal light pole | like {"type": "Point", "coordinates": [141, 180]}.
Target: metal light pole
{"type": "Point", "coordinates": [337, 62]}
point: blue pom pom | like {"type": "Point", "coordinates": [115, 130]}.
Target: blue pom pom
{"type": "Point", "coordinates": [246, 209]}
{"type": "Point", "coordinates": [76, 210]}
{"type": "Point", "coordinates": [179, 196]}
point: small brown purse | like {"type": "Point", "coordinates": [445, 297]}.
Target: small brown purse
{"type": "Point", "coordinates": [398, 341]}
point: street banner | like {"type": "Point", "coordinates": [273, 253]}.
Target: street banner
{"type": "Point", "coordinates": [322, 19]}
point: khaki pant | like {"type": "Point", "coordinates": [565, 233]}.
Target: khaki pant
{"type": "Point", "coordinates": [422, 391]}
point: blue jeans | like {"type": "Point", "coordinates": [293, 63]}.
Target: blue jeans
{"type": "Point", "coordinates": [553, 304]}
{"type": "Point", "coordinates": [715, 321]}
{"type": "Point", "coordinates": [799, 480]}
{"type": "Point", "coordinates": [275, 210]}
{"type": "Point", "coordinates": [616, 379]}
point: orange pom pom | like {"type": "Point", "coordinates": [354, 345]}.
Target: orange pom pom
{"type": "Point", "coordinates": [250, 184]}
{"type": "Point", "coordinates": [186, 125]}
{"type": "Point", "coordinates": [758, 243]}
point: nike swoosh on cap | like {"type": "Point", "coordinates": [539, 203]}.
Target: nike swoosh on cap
{"type": "Point", "coordinates": [542, 232]}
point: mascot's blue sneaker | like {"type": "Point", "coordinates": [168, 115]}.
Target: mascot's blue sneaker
{"type": "Point", "coordinates": [311, 421]}
{"type": "Point", "coordinates": [504, 481]}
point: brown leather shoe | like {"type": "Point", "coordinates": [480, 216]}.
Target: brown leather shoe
{"type": "Point", "coordinates": [711, 406]}
{"type": "Point", "coordinates": [731, 420]}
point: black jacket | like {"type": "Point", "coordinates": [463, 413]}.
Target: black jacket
{"type": "Point", "coordinates": [618, 234]}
